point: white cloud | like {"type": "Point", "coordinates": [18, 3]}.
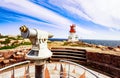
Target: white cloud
{"type": "Point", "coordinates": [75, 10]}
{"type": "Point", "coordinates": [31, 9]}
{"type": "Point", "coordinates": [84, 31]}
{"type": "Point", "coordinates": [103, 12]}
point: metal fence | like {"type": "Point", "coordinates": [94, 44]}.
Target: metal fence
{"type": "Point", "coordinates": [61, 69]}
{"type": "Point", "coordinates": [88, 71]}
{"type": "Point", "coordinates": [16, 70]}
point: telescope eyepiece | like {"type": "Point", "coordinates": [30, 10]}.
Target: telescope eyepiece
{"type": "Point", "coordinates": [23, 29]}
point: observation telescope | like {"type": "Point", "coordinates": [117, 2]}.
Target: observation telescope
{"type": "Point", "coordinates": [38, 39]}
{"type": "Point", "coordinates": [39, 52]}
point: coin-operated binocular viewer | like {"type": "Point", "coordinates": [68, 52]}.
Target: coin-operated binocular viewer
{"type": "Point", "coordinates": [39, 52]}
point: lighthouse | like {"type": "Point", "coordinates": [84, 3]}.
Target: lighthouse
{"type": "Point", "coordinates": [73, 36]}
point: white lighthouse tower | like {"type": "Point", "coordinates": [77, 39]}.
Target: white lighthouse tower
{"type": "Point", "coordinates": [72, 37]}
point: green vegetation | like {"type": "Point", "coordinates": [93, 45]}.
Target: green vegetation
{"type": "Point", "coordinates": [12, 38]}
{"type": "Point", "coordinates": [9, 45]}
{"type": "Point", "coordinates": [26, 43]}
{"type": "Point", "coordinates": [6, 41]}
{"type": "Point", "coordinates": [19, 37]}
{"type": "Point", "coordinates": [3, 37]}
{"type": "Point", "coordinates": [80, 44]}
{"type": "Point", "coordinates": [15, 45]}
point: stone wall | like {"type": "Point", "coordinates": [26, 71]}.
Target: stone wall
{"type": "Point", "coordinates": [108, 63]}
{"type": "Point", "coordinates": [105, 62]}
{"type": "Point", "coordinates": [8, 57]}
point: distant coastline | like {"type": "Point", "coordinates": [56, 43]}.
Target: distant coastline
{"type": "Point", "coordinates": [111, 43]}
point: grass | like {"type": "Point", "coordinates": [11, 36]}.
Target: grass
{"type": "Point", "coordinates": [72, 44]}
{"type": "Point", "coordinates": [3, 37]}
{"type": "Point", "coordinates": [6, 41]}
{"type": "Point", "coordinates": [14, 46]}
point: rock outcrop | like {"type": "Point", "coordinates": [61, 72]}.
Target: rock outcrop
{"type": "Point", "coordinates": [8, 57]}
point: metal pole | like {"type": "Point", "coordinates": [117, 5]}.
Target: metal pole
{"type": "Point", "coordinates": [61, 71]}
{"type": "Point", "coordinates": [39, 71]}
{"type": "Point", "coordinates": [69, 71]}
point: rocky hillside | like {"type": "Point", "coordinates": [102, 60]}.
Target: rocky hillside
{"type": "Point", "coordinates": [90, 47]}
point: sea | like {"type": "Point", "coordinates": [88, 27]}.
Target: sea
{"type": "Point", "coordinates": [111, 43]}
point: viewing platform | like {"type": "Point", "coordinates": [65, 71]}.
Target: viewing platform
{"type": "Point", "coordinates": [61, 69]}
{"type": "Point", "coordinates": [65, 63]}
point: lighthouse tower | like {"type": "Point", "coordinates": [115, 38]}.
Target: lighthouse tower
{"type": "Point", "coordinates": [72, 37]}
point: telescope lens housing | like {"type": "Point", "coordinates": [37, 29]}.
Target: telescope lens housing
{"type": "Point", "coordinates": [23, 29]}
{"type": "Point", "coordinates": [29, 33]}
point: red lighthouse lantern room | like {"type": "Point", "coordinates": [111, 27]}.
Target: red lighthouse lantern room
{"type": "Point", "coordinates": [72, 28]}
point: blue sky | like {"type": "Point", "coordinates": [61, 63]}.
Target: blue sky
{"type": "Point", "coordinates": [94, 19]}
